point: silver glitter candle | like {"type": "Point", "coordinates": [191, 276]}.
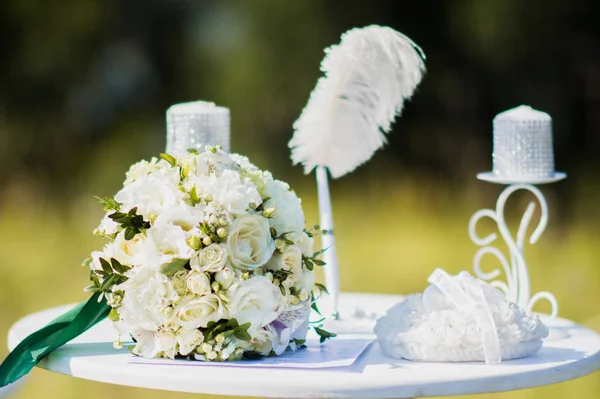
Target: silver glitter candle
{"type": "Point", "coordinates": [196, 124]}
{"type": "Point", "coordinates": [523, 144]}
{"type": "Point", "coordinates": [523, 148]}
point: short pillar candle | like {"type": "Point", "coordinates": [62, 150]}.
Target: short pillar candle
{"type": "Point", "coordinates": [196, 124]}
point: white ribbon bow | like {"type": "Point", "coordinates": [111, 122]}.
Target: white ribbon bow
{"type": "Point", "coordinates": [471, 299]}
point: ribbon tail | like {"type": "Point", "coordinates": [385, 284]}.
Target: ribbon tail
{"type": "Point", "coordinates": [54, 335]}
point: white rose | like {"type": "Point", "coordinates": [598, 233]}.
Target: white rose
{"type": "Point", "coordinates": [290, 260]}
{"type": "Point", "coordinates": [210, 259]}
{"type": "Point", "coordinates": [194, 312]}
{"type": "Point", "coordinates": [225, 278]}
{"type": "Point", "coordinates": [198, 283]}
{"type": "Point", "coordinates": [167, 343]}
{"type": "Point", "coordinates": [256, 301]}
{"type": "Point", "coordinates": [232, 192]}
{"type": "Point", "coordinates": [250, 244]}
{"type": "Point", "coordinates": [179, 282]}
{"type": "Point", "coordinates": [288, 216]}
{"type": "Point", "coordinates": [170, 242]}
{"type": "Point", "coordinates": [188, 340]}
{"type": "Point", "coordinates": [132, 252]}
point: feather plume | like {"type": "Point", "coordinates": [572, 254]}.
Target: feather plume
{"type": "Point", "coordinates": [367, 78]}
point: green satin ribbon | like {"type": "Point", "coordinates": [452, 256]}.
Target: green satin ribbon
{"type": "Point", "coordinates": [54, 335]}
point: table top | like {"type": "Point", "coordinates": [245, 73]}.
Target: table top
{"type": "Point", "coordinates": [571, 351]}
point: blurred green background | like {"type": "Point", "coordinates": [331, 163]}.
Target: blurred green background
{"type": "Point", "coordinates": [84, 85]}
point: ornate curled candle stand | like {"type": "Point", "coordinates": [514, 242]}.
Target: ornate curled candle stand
{"type": "Point", "coordinates": [517, 286]}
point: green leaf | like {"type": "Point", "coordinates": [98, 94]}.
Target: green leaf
{"type": "Point", "coordinates": [193, 151]}
{"type": "Point", "coordinates": [120, 279]}
{"type": "Point", "coordinates": [91, 288]}
{"type": "Point", "coordinates": [309, 265]}
{"type": "Point", "coordinates": [119, 217]}
{"type": "Point", "coordinates": [108, 283]}
{"type": "Point", "coordinates": [109, 203]}
{"type": "Point", "coordinates": [209, 335]}
{"type": "Point", "coordinates": [118, 266]}
{"type": "Point", "coordinates": [169, 269]}
{"type": "Point", "coordinates": [318, 262]}
{"type": "Point", "coordinates": [245, 326]}
{"type": "Point", "coordinates": [102, 273]}
{"type": "Point", "coordinates": [106, 266]}
{"type": "Point", "coordinates": [114, 315]}
{"type": "Point", "coordinates": [316, 308]}
{"type": "Point", "coordinates": [319, 252]}
{"type": "Point", "coordinates": [325, 335]}
{"type": "Point", "coordinates": [169, 158]}
{"type": "Point", "coordinates": [313, 303]}
{"type": "Point", "coordinates": [95, 280]}
{"type": "Point", "coordinates": [232, 323]}
{"type": "Point", "coordinates": [242, 334]}
{"type": "Point", "coordinates": [205, 228]}
{"type": "Point", "coordinates": [86, 262]}
{"type": "Point", "coordinates": [130, 233]}
{"type": "Point", "coordinates": [321, 288]}
{"type": "Point", "coordinates": [252, 355]}
{"type": "Point", "coordinates": [194, 196]}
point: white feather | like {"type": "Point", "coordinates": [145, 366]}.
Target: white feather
{"type": "Point", "coordinates": [367, 78]}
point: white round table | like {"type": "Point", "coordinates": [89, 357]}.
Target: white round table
{"type": "Point", "coordinates": [576, 352]}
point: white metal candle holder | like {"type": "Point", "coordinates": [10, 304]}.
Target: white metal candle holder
{"type": "Point", "coordinates": [523, 156]}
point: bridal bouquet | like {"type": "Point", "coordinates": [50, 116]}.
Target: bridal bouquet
{"type": "Point", "coordinates": [208, 259]}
